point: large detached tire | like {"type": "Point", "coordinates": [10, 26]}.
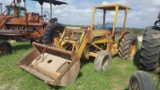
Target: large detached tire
{"type": "Point", "coordinates": [128, 46]}
{"type": "Point", "coordinates": [5, 48]}
{"type": "Point", "coordinates": [141, 81]}
{"type": "Point", "coordinates": [50, 30]}
{"type": "Point", "coordinates": [150, 49]}
{"type": "Point", "coordinates": [102, 61]}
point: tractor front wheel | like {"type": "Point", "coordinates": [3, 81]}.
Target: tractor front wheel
{"type": "Point", "coordinates": [141, 81]}
{"type": "Point", "coordinates": [102, 61]}
{"type": "Point", "coordinates": [5, 48]}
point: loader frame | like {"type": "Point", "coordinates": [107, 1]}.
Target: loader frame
{"type": "Point", "coordinates": [93, 37]}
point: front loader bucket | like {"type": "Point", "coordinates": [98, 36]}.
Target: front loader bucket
{"type": "Point", "coordinates": [53, 65]}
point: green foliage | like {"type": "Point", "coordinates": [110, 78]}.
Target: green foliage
{"type": "Point", "coordinates": [73, 25]}
{"type": "Point", "coordinates": [116, 77]}
{"type": "Point", "coordinates": [138, 31]}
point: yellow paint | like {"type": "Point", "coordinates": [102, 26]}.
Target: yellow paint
{"type": "Point", "coordinates": [114, 49]}
{"type": "Point", "coordinates": [100, 41]}
{"type": "Point", "coordinates": [86, 37]}
{"type": "Point", "coordinates": [92, 54]}
{"type": "Point", "coordinates": [96, 46]}
{"type": "Point", "coordinates": [133, 49]}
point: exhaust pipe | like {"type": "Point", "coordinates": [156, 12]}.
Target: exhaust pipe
{"type": "Point", "coordinates": [159, 15]}
{"type": "Point", "coordinates": [0, 8]}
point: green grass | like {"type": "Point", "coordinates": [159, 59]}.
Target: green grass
{"type": "Point", "coordinates": [116, 77]}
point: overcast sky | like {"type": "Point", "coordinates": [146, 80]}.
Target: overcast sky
{"type": "Point", "coordinates": [79, 12]}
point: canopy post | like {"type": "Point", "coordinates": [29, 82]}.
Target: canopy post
{"type": "Point", "coordinates": [41, 10]}
{"type": "Point", "coordinates": [50, 9]}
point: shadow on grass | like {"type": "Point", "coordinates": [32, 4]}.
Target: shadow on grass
{"type": "Point", "coordinates": [85, 61]}
{"type": "Point", "coordinates": [136, 59]}
{"type": "Point", "coordinates": [21, 46]}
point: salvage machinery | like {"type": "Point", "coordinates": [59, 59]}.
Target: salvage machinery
{"type": "Point", "coordinates": [57, 61]}
{"type": "Point", "coordinates": [149, 59]}
{"type": "Point", "coordinates": [150, 50]}
{"type": "Point", "coordinates": [18, 24]}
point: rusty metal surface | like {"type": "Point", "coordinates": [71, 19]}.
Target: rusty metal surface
{"type": "Point", "coordinates": [13, 32]}
{"type": "Point", "coordinates": [38, 74]}
{"type": "Point", "coordinates": [55, 2]}
{"type": "Point", "coordinates": [33, 24]}
{"type": "Point", "coordinates": [54, 66]}
{"type": "Point", "coordinates": [16, 25]}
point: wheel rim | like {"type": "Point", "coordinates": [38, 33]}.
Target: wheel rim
{"type": "Point", "coordinates": [4, 50]}
{"type": "Point", "coordinates": [133, 49]}
{"type": "Point", "coordinates": [135, 85]}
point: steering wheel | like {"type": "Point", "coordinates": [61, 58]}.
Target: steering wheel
{"type": "Point", "coordinates": [46, 15]}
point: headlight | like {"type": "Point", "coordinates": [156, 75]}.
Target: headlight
{"type": "Point", "coordinates": [157, 23]}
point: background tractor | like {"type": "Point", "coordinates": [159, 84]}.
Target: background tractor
{"type": "Point", "coordinates": [108, 25]}
{"type": "Point", "coordinates": [149, 59]}
{"type": "Point", "coordinates": [150, 50]}
{"type": "Point", "coordinates": [18, 24]}
{"type": "Point", "coordinates": [58, 62]}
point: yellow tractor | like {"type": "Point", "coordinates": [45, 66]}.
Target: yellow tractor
{"type": "Point", "coordinates": [59, 63]}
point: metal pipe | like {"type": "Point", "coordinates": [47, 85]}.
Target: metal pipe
{"type": "Point", "coordinates": [158, 16]}
{"type": "Point", "coordinates": [25, 5]}
{"type": "Point", "coordinates": [115, 20]}
{"type": "Point", "coordinates": [15, 13]}
{"type": "Point", "coordinates": [104, 19]}
{"type": "Point", "coordinates": [50, 10]}
{"type": "Point", "coordinates": [96, 46]}
{"type": "Point", "coordinates": [0, 8]}
{"type": "Point", "coordinates": [92, 54]}
{"type": "Point", "coordinates": [7, 9]}
{"type": "Point", "coordinates": [92, 23]}
{"type": "Point", "coordinates": [125, 19]}
{"type": "Point", "coordinates": [25, 13]}
{"type": "Point", "coordinates": [41, 10]}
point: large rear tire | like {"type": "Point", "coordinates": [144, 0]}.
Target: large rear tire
{"type": "Point", "coordinates": [150, 49]}
{"type": "Point", "coordinates": [50, 32]}
{"type": "Point", "coordinates": [141, 81]}
{"type": "Point", "coordinates": [102, 61]}
{"type": "Point", "coordinates": [5, 48]}
{"type": "Point", "coordinates": [128, 46]}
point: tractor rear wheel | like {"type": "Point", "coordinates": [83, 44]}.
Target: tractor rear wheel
{"type": "Point", "coordinates": [5, 48]}
{"type": "Point", "coordinates": [141, 81]}
{"type": "Point", "coordinates": [128, 46]}
{"type": "Point", "coordinates": [102, 61]}
{"type": "Point", "coordinates": [150, 49]}
{"type": "Point", "coordinates": [52, 31]}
